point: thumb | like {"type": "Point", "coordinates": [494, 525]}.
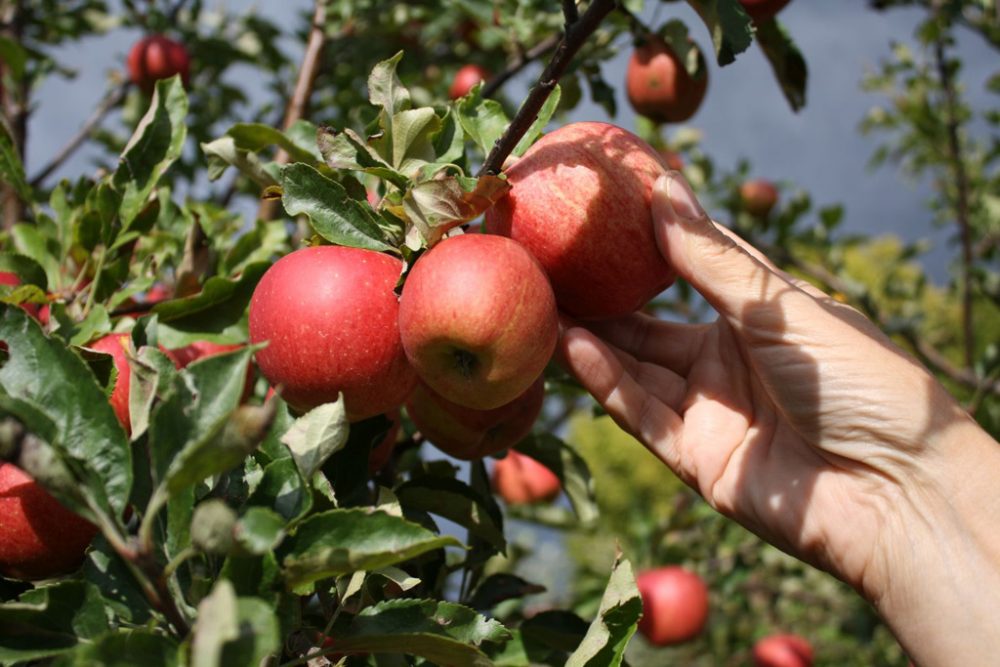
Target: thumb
{"type": "Point", "coordinates": [713, 263]}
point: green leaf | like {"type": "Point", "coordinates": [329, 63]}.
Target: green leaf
{"type": "Point", "coordinates": [13, 56]}
{"type": "Point", "coordinates": [11, 167]}
{"type": "Point", "coordinates": [616, 622]}
{"type": "Point", "coordinates": [729, 25]}
{"type": "Point", "coordinates": [345, 541]}
{"type": "Point", "coordinates": [483, 120]}
{"type": "Point", "coordinates": [571, 469]}
{"type": "Point", "coordinates": [50, 620]}
{"type": "Point", "coordinates": [42, 375]}
{"type": "Point", "coordinates": [152, 373]}
{"type": "Point", "coordinates": [106, 570]}
{"type": "Point", "coordinates": [411, 137]}
{"type": "Point", "coordinates": [283, 490]}
{"type": "Point", "coordinates": [437, 205]}
{"type": "Point", "coordinates": [212, 526]}
{"type": "Point", "coordinates": [346, 150]}
{"type": "Point", "coordinates": [124, 649]}
{"type": "Point", "coordinates": [155, 145]}
{"type": "Point", "coordinates": [260, 530]}
{"type": "Point", "coordinates": [786, 60]}
{"type": "Point", "coordinates": [442, 632]}
{"type": "Point", "coordinates": [233, 631]}
{"type": "Point", "coordinates": [456, 501]}
{"type": "Point", "coordinates": [544, 116]}
{"type": "Point", "coordinates": [385, 89]}
{"type": "Point", "coordinates": [331, 211]}
{"type": "Point", "coordinates": [257, 136]}
{"type": "Point", "coordinates": [224, 153]}
{"type": "Point", "coordinates": [317, 435]}
{"type": "Point", "coordinates": [499, 587]}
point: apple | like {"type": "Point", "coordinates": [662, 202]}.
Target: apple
{"type": "Point", "coordinates": [672, 159]}
{"type": "Point", "coordinates": [116, 345]}
{"type": "Point", "coordinates": [762, 10]}
{"type": "Point", "coordinates": [156, 57]}
{"type": "Point", "coordinates": [465, 79]}
{"type": "Point", "coordinates": [758, 197]}
{"type": "Point", "coordinates": [783, 650]}
{"type": "Point", "coordinates": [674, 605]}
{"type": "Point", "coordinates": [39, 538]}
{"type": "Point", "coordinates": [521, 480]}
{"type": "Point", "coordinates": [13, 280]}
{"type": "Point", "coordinates": [382, 451]}
{"type": "Point", "coordinates": [658, 85]}
{"type": "Point", "coordinates": [466, 433]}
{"type": "Point", "coordinates": [580, 203]}
{"type": "Point", "coordinates": [330, 317]}
{"type": "Point", "coordinates": [478, 320]}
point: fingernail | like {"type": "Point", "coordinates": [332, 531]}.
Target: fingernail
{"type": "Point", "coordinates": [681, 198]}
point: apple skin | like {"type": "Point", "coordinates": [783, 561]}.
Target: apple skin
{"type": "Point", "coordinates": [331, 318]}
{"type": "Point", "coordinates": [116, 345]}
{"type": "Point", "coordinates": [478, 320]}
{"type": "Point", "coordinates": [783, 650]}
{"type": "Point", "coordinates": [521, 480]}
{"type": "Point", "coordinates": [39, 538]}
{"type": "Point", "coordinates": [672, 159]}
{"type": "Point", "coordinates": [658, 86]}
{"type": "Point", "coordinates": [758, 197]}
{"type": "Point", "coordinates": [156, 57]}
{"type": "Point", "coordinates": [674, 605]}
{"type": "Point", "coordinates": [762, 10]}
{"type": "Point", "coordinates": [469, 434]}
{"type": "Point", "coordinates": [580, 203]}
{"type": "Point", "coordinates": [465, 79]}
{"type": "Point", "coordinates": [13, 280]}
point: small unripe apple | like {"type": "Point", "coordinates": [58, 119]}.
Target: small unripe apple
{"type": "Point", "coordinates": [783, 650]}
{"type": "Point", "coordinates": [762, 10]}
{"type": "Point", "coordinates": [156, 57]}
{"type": "Point", "coordinates": [116, 345]}
{"type": "Point", "coordinates": [580, 203]}
{"type": "Point", "coordinates": [39, 538]}
{"type": "Point", "coordinates": [468, 434]}
{"type": "Point", "coordinates": [521, 480]}
{"type": "Point", "coordinates": [658, 85]}
{"type": "Point", "coordinates": [674, 605]}
{"type": "Point", "coordinates": [330, 317]}
{"type": "Point", "coordinates": [465, 79]}
{"type": "Point", "coordinates": [478, 320]}
{"type": "Point", "coordinates": [758, 197]}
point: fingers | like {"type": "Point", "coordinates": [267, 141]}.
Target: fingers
{"type": "Point", "coordinates": [671, 344]}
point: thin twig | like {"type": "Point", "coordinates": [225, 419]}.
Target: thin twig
{"type": "Point", "coordinates": [521, 61]}
{"type": "Point", "coordinates": [110, 101]}
{"type": "Point", "coordinates": [574, 38]}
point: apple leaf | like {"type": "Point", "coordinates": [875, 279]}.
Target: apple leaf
{"type": "Point", "coordinates": [334, 215]}
{"type": "Point", "coordinates": [786, 60]}
{"type": "Point", "coordinates": [499, 587]}
{"type": "Point", "coordinates": [317, 435]}
{"type": "Point", "coordinates": [729, 25]}
{"type": "Point", "coordinates": [544, 116]}
{"type": "Point", "coordinates": [156, 143]}
{"type": "Point", "coordinates": [458, 502]}
{"type": "Point", "coordinates": [483, 120]}
{"type": "Point", "coordinates": [437, 205]}
{"type": "Point", "coordinates": [616, 622]}
{"type": "Point", "coordinates": [260, 244]}
{"type": "Point", "coordinates": [282, 490]}
{"type": "Point", "coordinates": [152, 373]}
{"type": "Point", "coordinates": [449, 142]}
{"type": "Point", "coordinates": [223, 153]}
{"type": "Point", "coordinates": [299, 142]}
{"type": "Point", "coordinates": [385, 89]}
{"type": "Point", "coordinates": [233, 631]}
{"type": "Point", "coordinates": [442, 632]}
{"type": "Point", "coordinates": [675, 33]}
{"type": "Point", "coordinates": [122, 593]}
{"type": "Point", "coordinates": [43, 376]}
{"type": "Point", "coordinates": [50, 620]}
{"type": "Point", "coordinates": [125, 648]}
{"type": "Point", "coordinates": [345, 541]}
{"type": "Point", "coordinates": [346, 150]}
{"type": "Point", "coordinates": [571, 469]}
{"type": "Point", "coordinates": [260, 530]}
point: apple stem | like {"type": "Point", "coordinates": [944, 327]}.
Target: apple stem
{"type": "Point", "coordinates": [574, 37]}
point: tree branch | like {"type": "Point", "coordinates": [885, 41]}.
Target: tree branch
{"type": "Point", "coordinates": [519, 63]}
{"type": "Point", "coordinates": [574, 38]}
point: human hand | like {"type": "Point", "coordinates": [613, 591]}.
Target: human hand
{"type": "Point", "coordinates": [796, 416]}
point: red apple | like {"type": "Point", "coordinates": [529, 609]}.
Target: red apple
{"type": "Point", "coordinates": [783, 650]}
{"type": "Point", "coordinates": [521, 480]}
{"type": "Point", "coordinates": [758, 197]}
{"type": "Point", "coordinates": [381, 452]}
{"type": "Point", "coordinates": [116, 345]}
{"type": "Point", "coordinates": [467, 434]}
{"type": "Point", "coordinates": [658, 85]}
{"type": "Point", "coordinates": [12, 279]}
{"type": "Point", "coordinates": [156, 57]}
{"type": "Point", "coordinates": [39, 538]}
{"type": "Point", "coordinates": [465, 79]}
{"type": "Point", "coordinates": [330, 316]}
{"type": "Point", "coordinates": [674, 605]}
{"type": "Point", "coordinates": [478, 320]}
{"type": "Point", "coordinates": [580, 203]}
{"type": "Point", "coordinates": [672, 159]}
{"type": "Point", "coordinates": [762, 10]}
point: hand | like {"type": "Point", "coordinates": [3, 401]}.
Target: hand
{"type": "Point", "coordinates": [791, 413]}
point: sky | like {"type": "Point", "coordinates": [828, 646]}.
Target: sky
{"type": "Point", "coordinates": [744, 114]}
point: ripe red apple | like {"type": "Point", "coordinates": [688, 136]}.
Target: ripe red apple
{"type": "Point", "coordinates": [478, 320]}
{"type": "Point", "coordinates": [580, 203]}
{"type": "Point", "coordinates": [116, 345]}
{"type": "Point", "coordinates": [465, 78]}
{"type": "Point", "coordinates": [381, 452]}
{"type": "Point", "coordinates": [521, 480]}
{"type": "Point", "coordinates": [466, 433]}
{"type": "Point", "coordinates": [331, 318]}
{"type": "Point", "coordinates": [761, 10]}
{"type": "Point", "coordinates": [39, 538]}
{"type": "Point", "coordinates": [658, 85]}
{"type": "Point", "coordinates": [758, 197]}
{"type": "Point", "coordinates": [156, 57]}
{"type": "Point", "coordinates": [783, 650]}
{"type": "Point", "coordinates": [13, 280]}
{"type": "Point", "coordinates": [674, 605]}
